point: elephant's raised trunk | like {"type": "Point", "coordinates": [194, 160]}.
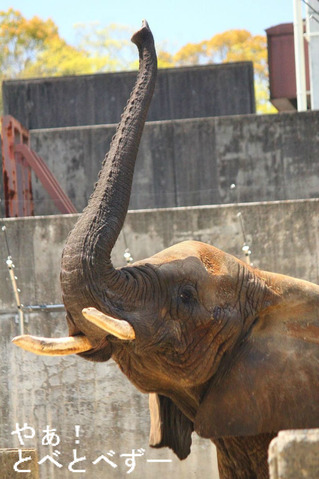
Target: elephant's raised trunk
{"type": "Point", "coordinates": [86, 258]}
{"type": "Point", "coordinates": [88, 278]}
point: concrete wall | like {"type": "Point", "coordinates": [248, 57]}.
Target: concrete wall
{"type": "Point", "coordinates": [294, 453]}
{"type": "Point", "coordinates": [188, 92]}
{"type": "Point", "coordinates": [193, 162]}
{"type": "Point", "coordinates": [65, 392]}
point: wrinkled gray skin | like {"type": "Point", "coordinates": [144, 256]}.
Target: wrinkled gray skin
{"type": "Point", "coordinates": [225, 350]}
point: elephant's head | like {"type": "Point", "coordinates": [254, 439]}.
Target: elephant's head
{"type": "Point", "coordinates": [206, 335]}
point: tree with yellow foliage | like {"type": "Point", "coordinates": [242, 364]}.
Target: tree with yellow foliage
{"type": "Point", "coordinates": [21, 40]}
{"type": "Point", "coordinates": [233, 46]}
{"type": "Point", "coordinates": [34, 48]}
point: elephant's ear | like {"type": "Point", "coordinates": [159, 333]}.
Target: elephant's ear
{"type": "Point", "coordinates": [244, 401]}
{"type": "Point", "coordinates": [169, 426]}
{"type": "Point", "coordinates": [271, 386]}
{"type": "Point", "coordinates": [227, 412]}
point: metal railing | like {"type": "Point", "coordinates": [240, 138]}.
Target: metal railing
{"type": "Point", "coordinates": [18, 162]}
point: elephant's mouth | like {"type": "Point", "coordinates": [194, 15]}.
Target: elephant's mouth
{"type": "Point", "coordinates": [78, 344]}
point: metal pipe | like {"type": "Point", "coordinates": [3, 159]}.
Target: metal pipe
{"type": "Point", "coordinates": [299, 57]}
{"type": "Point", "coordinates": [247, 252]}
{"type": "Point", "coordinates": [46, 308]}
{"type": "Point", "coordinates": [43, 307]}
{"type": "Point", "coordinates": [246, 248]}
{"type": "Point", "coordinates": [312, 16]}
{"type": "Point", "coordinates": [13, 278]}
{"type": "Point", "coordinates": [24, 308]}
{"type": "Point", "coordinates": [16, 291]}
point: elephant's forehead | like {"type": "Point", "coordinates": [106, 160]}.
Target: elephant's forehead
{"type": "Point", "coordinates": [191, 253]}
{"type": "Point", "coordinates": [180, 251]}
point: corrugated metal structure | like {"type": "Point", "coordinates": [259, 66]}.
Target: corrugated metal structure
{"type": "Point", "coordinates": [184, 92]}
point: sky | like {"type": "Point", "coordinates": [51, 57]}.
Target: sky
{"type": "Point", "coordinates": [173, 22]}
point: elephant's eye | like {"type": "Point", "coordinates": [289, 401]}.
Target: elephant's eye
{"type": "Point", "coordinates": [187, 294]}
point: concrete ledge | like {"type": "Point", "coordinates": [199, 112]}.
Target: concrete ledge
{"type": "Point", "coordinates": [295, 454]}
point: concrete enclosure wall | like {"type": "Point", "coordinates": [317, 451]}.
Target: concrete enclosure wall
{"type": "Point", "coordinates": [65, 392]}
{"type": "Point", "coordinates": [283, 237]}
{"type": "Point", "coordinates": [192, 162]}
{"type": "Point", "coordinates": [188, 92]}
{"type": "Point", "coordinates": [294, 453]}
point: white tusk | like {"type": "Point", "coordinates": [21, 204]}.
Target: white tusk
{"type": "Point", "coordinates": [118, 327]}
{"type": "Point", "coordinates": [53, 346]}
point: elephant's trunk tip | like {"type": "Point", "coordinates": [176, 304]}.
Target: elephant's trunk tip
{"type": "Point", "coordinates": [145, 24]}
{"type": "Point", "coordinates": [141, 34]}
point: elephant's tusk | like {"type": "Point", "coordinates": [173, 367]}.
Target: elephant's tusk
{"type": "Point", "coordinates": [53, 346]}
{"type": "Point", "coordinates": [118, 327]}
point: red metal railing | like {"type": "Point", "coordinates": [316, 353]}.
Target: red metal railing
{"type": "Point", "coordinates": [16, 172]}
{"type": "Point", "coordinates": [18, 161]}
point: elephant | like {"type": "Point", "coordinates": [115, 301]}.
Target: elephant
{"type": "Point", "coordinates": [223, 349]}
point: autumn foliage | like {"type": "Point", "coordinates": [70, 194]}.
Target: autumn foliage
{"type": "Point", "coordinates": [230, 46]}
